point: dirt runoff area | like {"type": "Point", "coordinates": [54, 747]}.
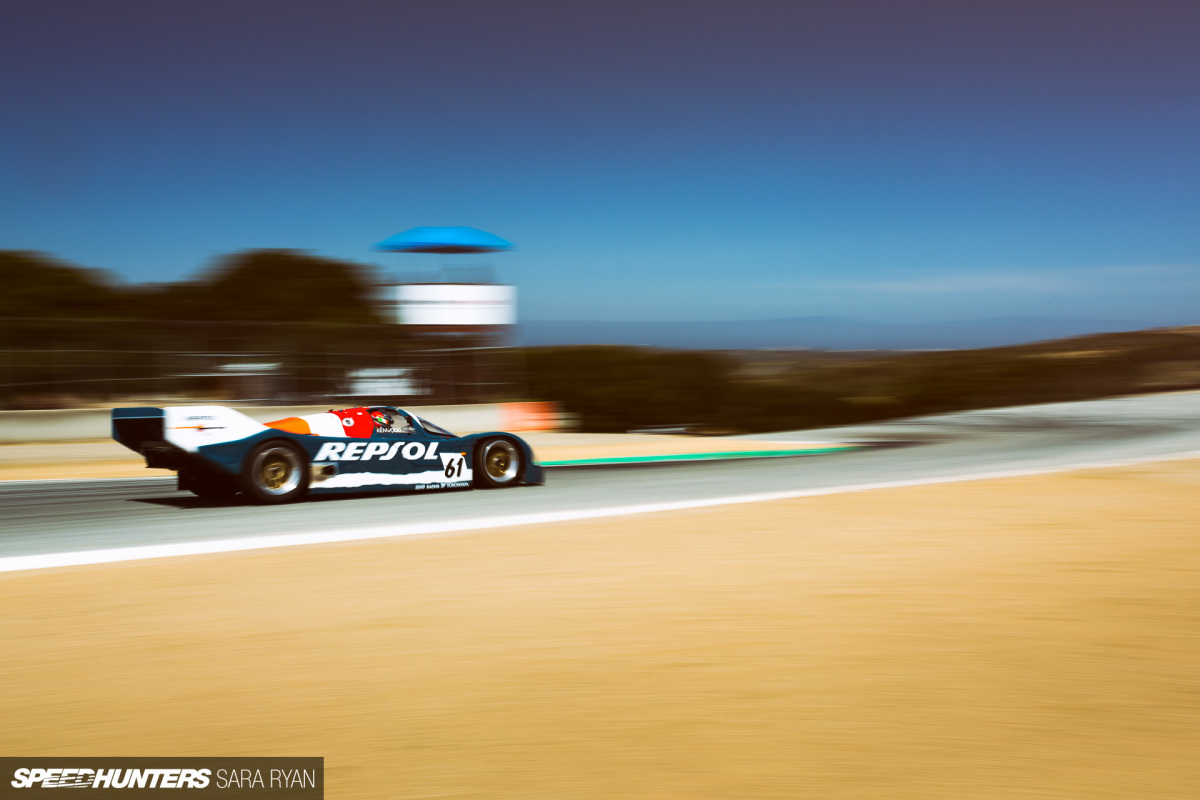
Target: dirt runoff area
{"type": "Point", "coordinates": [1026, 637]}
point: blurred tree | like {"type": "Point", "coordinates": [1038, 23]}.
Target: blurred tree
{"type": "Point", "coordinates": [276, 286]}
{"type": "Point", "coordinates": [618, 388]}
{"type": "Point", "coordinates": [36, 285]}
{"type": "Point", "coordinates": [254, 286]}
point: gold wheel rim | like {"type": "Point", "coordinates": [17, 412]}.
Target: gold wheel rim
{"type": "Point", "coordinates": [274, 473]}
{"type": "Point", "coordinates": [500, 461]}
{"type": "Point", "coordinates": [277, 470]}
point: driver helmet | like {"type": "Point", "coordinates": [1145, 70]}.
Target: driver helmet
{"type": "Point", "coordinates": [381, 418]}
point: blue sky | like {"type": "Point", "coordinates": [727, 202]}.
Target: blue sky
{"type": "Point", "coordinates": [652, 160]}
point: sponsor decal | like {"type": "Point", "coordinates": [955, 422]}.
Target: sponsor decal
{"type": "Point", "coordinates": [198, 427]}
{"type": "Point", "coordinates": [436, 478]}
{"type": "Point", "coordinates": [381, 451]}
{"type": "Point", "coordinates": [201, 427]}
{"type": "Point", "coordinates": [122, 777]}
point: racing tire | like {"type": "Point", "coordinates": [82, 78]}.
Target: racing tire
{"type": "Point", "coordinates": [274, 473]}
{"type": "Point", "coordinates": [208, 486]}
{"type": "Point", "coordinates": [498, 463]}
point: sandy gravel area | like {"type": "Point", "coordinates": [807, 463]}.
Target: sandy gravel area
{"type": "Point", "coordinates": [57, 460]}
{"type": "Point", "coordinates": [1033, 637]}
{"type": "Point", "coordinates": [111, 460]}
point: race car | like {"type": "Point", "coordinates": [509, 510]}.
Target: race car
{"type": "Point", "coordinates": [219, 452]}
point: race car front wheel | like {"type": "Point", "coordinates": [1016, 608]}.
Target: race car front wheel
{"type": "Point", "coordinates": [499, 463]}
{"type": "Point", "coordinates": [275, 472]}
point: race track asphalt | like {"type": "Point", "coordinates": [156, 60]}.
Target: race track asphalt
{"type": "Point", "coordinates": [66, 516]}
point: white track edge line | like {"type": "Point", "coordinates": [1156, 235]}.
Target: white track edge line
{"type": "Point", "coordinates": [144, 552]}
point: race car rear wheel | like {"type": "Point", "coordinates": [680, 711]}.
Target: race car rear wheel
{"type": "Point", "coordinates": [498, 463]}
{"type": "Point", "coordinates": [275, 472]}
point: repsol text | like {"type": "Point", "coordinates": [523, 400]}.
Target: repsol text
{"type": "Point", "coordinates": [382, 451]}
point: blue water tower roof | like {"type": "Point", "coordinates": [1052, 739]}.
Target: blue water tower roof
{"type": "Point", "coordinates": [444, 240]}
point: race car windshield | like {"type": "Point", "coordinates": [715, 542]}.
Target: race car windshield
{"type": "Point", "coordinates": [437, 430]}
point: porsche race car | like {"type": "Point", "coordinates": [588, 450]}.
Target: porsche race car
{"type": "Point", "coordinates": [220, 452]}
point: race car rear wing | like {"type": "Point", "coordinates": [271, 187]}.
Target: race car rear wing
{"type": "Point", "coordinates": [149, 430]}
{"type": "Point", "coordinates": [137, 427]}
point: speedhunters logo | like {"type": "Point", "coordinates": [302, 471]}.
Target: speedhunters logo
{"type": "Point", "coordinates": [81, 778]}
{"type": "Point", "coordinates": [121, 777]}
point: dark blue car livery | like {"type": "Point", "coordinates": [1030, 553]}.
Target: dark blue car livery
{"type": "Point", "coordinates": [220, 452]}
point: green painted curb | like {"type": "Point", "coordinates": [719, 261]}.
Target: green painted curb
{"type": "Point", "coordinates": [811, 451]}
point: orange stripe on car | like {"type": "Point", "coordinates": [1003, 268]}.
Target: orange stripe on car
{"type": "Point", "coordinates": [290, 425]}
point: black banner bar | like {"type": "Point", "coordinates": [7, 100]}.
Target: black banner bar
{"type": "Point", "coordinates": [281, 778]}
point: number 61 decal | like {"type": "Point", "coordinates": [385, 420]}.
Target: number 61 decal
{"type": "Point", "coordinates": [452, 464]}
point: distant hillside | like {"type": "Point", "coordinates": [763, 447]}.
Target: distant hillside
{"type": "Point", "coordinates": [613, 388]}
{"type": "Point", "coordinates": [823, 333]}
